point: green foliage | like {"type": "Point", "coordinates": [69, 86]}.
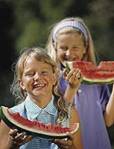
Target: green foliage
{"type": "Point", "coordinates": [33, 18]}
{"type": "Point", "coordinates": [53, 10]}
{"type": "Point", "coordinates": [101, 21]}
{"type": "Point", "coordinates": [35, 15]}
{"type": "Point", "coordinates": [31, 35]}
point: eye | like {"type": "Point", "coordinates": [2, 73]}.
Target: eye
{"type": "Point", "coordinates": [75, 48]}
{"type": "Point", "coordinates": [30, 74]}
{"type": "Point", "coordinates": [64, 48]}
{"type": "Point", "coordinates": [45, 73]}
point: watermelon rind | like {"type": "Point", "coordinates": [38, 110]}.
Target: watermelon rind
{"type": "Point", "coordinates": [12, 123]}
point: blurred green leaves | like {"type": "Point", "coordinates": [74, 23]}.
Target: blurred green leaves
{"type": "Point", "coordinates": [32, 35]}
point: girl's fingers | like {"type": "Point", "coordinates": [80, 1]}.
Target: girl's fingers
{"type": "Point", "coordinates": [63, 144]}
{"type": "Point", "coordinates": [13, 132]}
{"type": "Point", "coordinates": [75, 74]}
{"type": "Point", "coordinates": [19, 138]}
{"type": "Point", "coordinates": [20, 135]}
{"type": "Point", "coordinates": [27, 138]}
{"type": "Point", "coordinates": [78, 75]}
{"type": "Point", "coordinates": [72, 73]}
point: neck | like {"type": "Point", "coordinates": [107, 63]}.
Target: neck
{"type": "Point", "coordinates": [42, 101]}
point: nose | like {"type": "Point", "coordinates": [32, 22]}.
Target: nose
{"type": "Point", "coordinates": [37, 76]}
{"type": "Point", "coordinates": [69, 54]}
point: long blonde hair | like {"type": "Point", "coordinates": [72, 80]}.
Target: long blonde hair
{"type": "Point", "coordinates": [51, 44]}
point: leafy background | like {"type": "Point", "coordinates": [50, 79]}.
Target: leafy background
{"type": "Point", "coordinates": [26, 23]}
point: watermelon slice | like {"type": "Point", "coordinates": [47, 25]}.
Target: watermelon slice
{"type": "Point", "coordinates": [103, 73]}
{"type": "Point", "coordinates": [35, 128]}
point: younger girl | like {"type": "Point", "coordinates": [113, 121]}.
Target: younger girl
{"type": "Point", "coordinates": [34, 81]}
{"type": "Point", "coordinates": [70, 40]}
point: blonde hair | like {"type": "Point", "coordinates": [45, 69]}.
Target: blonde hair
{"type": "Point", "coordinates": [61, 27]}
{"type": "Point", "coordinates": [39, 54]}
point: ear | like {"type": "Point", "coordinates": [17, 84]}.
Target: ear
{"type": "Point", "coordinates": [22, 85]}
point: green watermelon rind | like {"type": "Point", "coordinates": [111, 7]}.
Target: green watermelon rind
{"type": "Point", "coordinates": [97, 81]}
{"type": "Point", "coordinates": [29, 131]}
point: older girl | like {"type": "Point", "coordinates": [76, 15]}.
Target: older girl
{"type": "Point", "coordinates": [70, 40]}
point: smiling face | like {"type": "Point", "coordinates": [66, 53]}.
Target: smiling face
{"type": "Point", "coordinates": [38, 79]}
{"type": "Point", "coordinates": [70, 47]}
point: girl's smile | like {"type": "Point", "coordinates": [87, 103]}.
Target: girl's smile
{"type": "Point", "coordinates": [38, 79]}
{"type": "Point", "coordinates": [70, 47]}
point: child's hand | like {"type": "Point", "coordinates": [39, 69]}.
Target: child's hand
{"type": "Point", "coordinates": [63, 143]}
{"type": "Point", "coordinates": [73, 77]}
{"type": "Point", "coordinates": [18, 138]}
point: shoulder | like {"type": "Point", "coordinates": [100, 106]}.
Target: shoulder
{"type": "Point", "coordinates": [19, 108]}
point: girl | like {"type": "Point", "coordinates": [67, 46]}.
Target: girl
{"type": "Point", "coordinates": [34, 81]}
{"type": "Point", "coordinates": [70, 40]}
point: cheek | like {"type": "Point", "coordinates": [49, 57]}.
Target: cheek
{"type": "Point", "coordinates": [22, 85]}
{"type": "Point", "coordinates": [81, 53]}
{"type": "Point", "coordinates": [60, 54]}
{"type": "Point", "coordinates": [25, 83]}
{"type": "Point", "coordinates": [53, 80]}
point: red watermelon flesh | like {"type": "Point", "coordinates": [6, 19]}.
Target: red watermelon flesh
{"type": "Point", "coordinates": [106, 66]}
{"type": "Point", "coordinates": [103, 73]}
{"type": "Point", "coordinates": [35, 128]}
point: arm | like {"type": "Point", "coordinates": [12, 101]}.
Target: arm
{"type": "Point", "coordinates": [74, 141]}
{"type": "Point", "coordinates": [74, 81]}
{"type": "Point", "coordinates": [109, 112]}
{"type": "Point", "coordinates": [4, 137]}
{"type": "Point", "coordinates": [12, 138]}
{"type": "Point", "coordinates": [76, 138]}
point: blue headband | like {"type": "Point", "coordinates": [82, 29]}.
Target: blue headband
{"type": "Point", "coordinates": [71, 24]}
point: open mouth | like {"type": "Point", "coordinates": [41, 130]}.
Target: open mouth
{"type": "Point", "coordinates": [39, 86]}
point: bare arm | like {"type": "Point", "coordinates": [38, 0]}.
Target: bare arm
{"type": "Point", "coordinates": [4, 137]}
{"type": "Point", "coordinates": [74, 141]}
{"type": "Point", "coordinates": [109, 113]}
{"type": "Point", "coordinates": [76, 138]}
{"type": "Point", "coordinates": [12, 138]}
{"type": "Point", "coordinates": [74, 80]}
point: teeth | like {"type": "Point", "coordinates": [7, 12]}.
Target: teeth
{"type": "Point", "coordinates": [39, 85]}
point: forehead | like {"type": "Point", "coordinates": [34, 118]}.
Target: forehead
{"type": "Point", "coordinates": [69, 33]}
{"type": "Point", "coordinates": [35, 63]}
{"type": "Point", "coordinates": [68, 38]}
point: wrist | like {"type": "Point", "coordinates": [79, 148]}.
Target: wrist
{"type": "Point", "coordinates": [14, 146]}
{"type": "Point", "coordinates": [73, 87]}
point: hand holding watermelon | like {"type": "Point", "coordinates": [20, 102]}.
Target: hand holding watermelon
{"type": "Point", "coordinates": [34, 128]}
{"type": "Point", "coordinates": [64, 143]}
{"type": "Point", "coordinates": [18, 138]}
{"type": "Point", "coordinates": [74, 78]}
{"type": "Point", "coordinates": [103, 73]}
